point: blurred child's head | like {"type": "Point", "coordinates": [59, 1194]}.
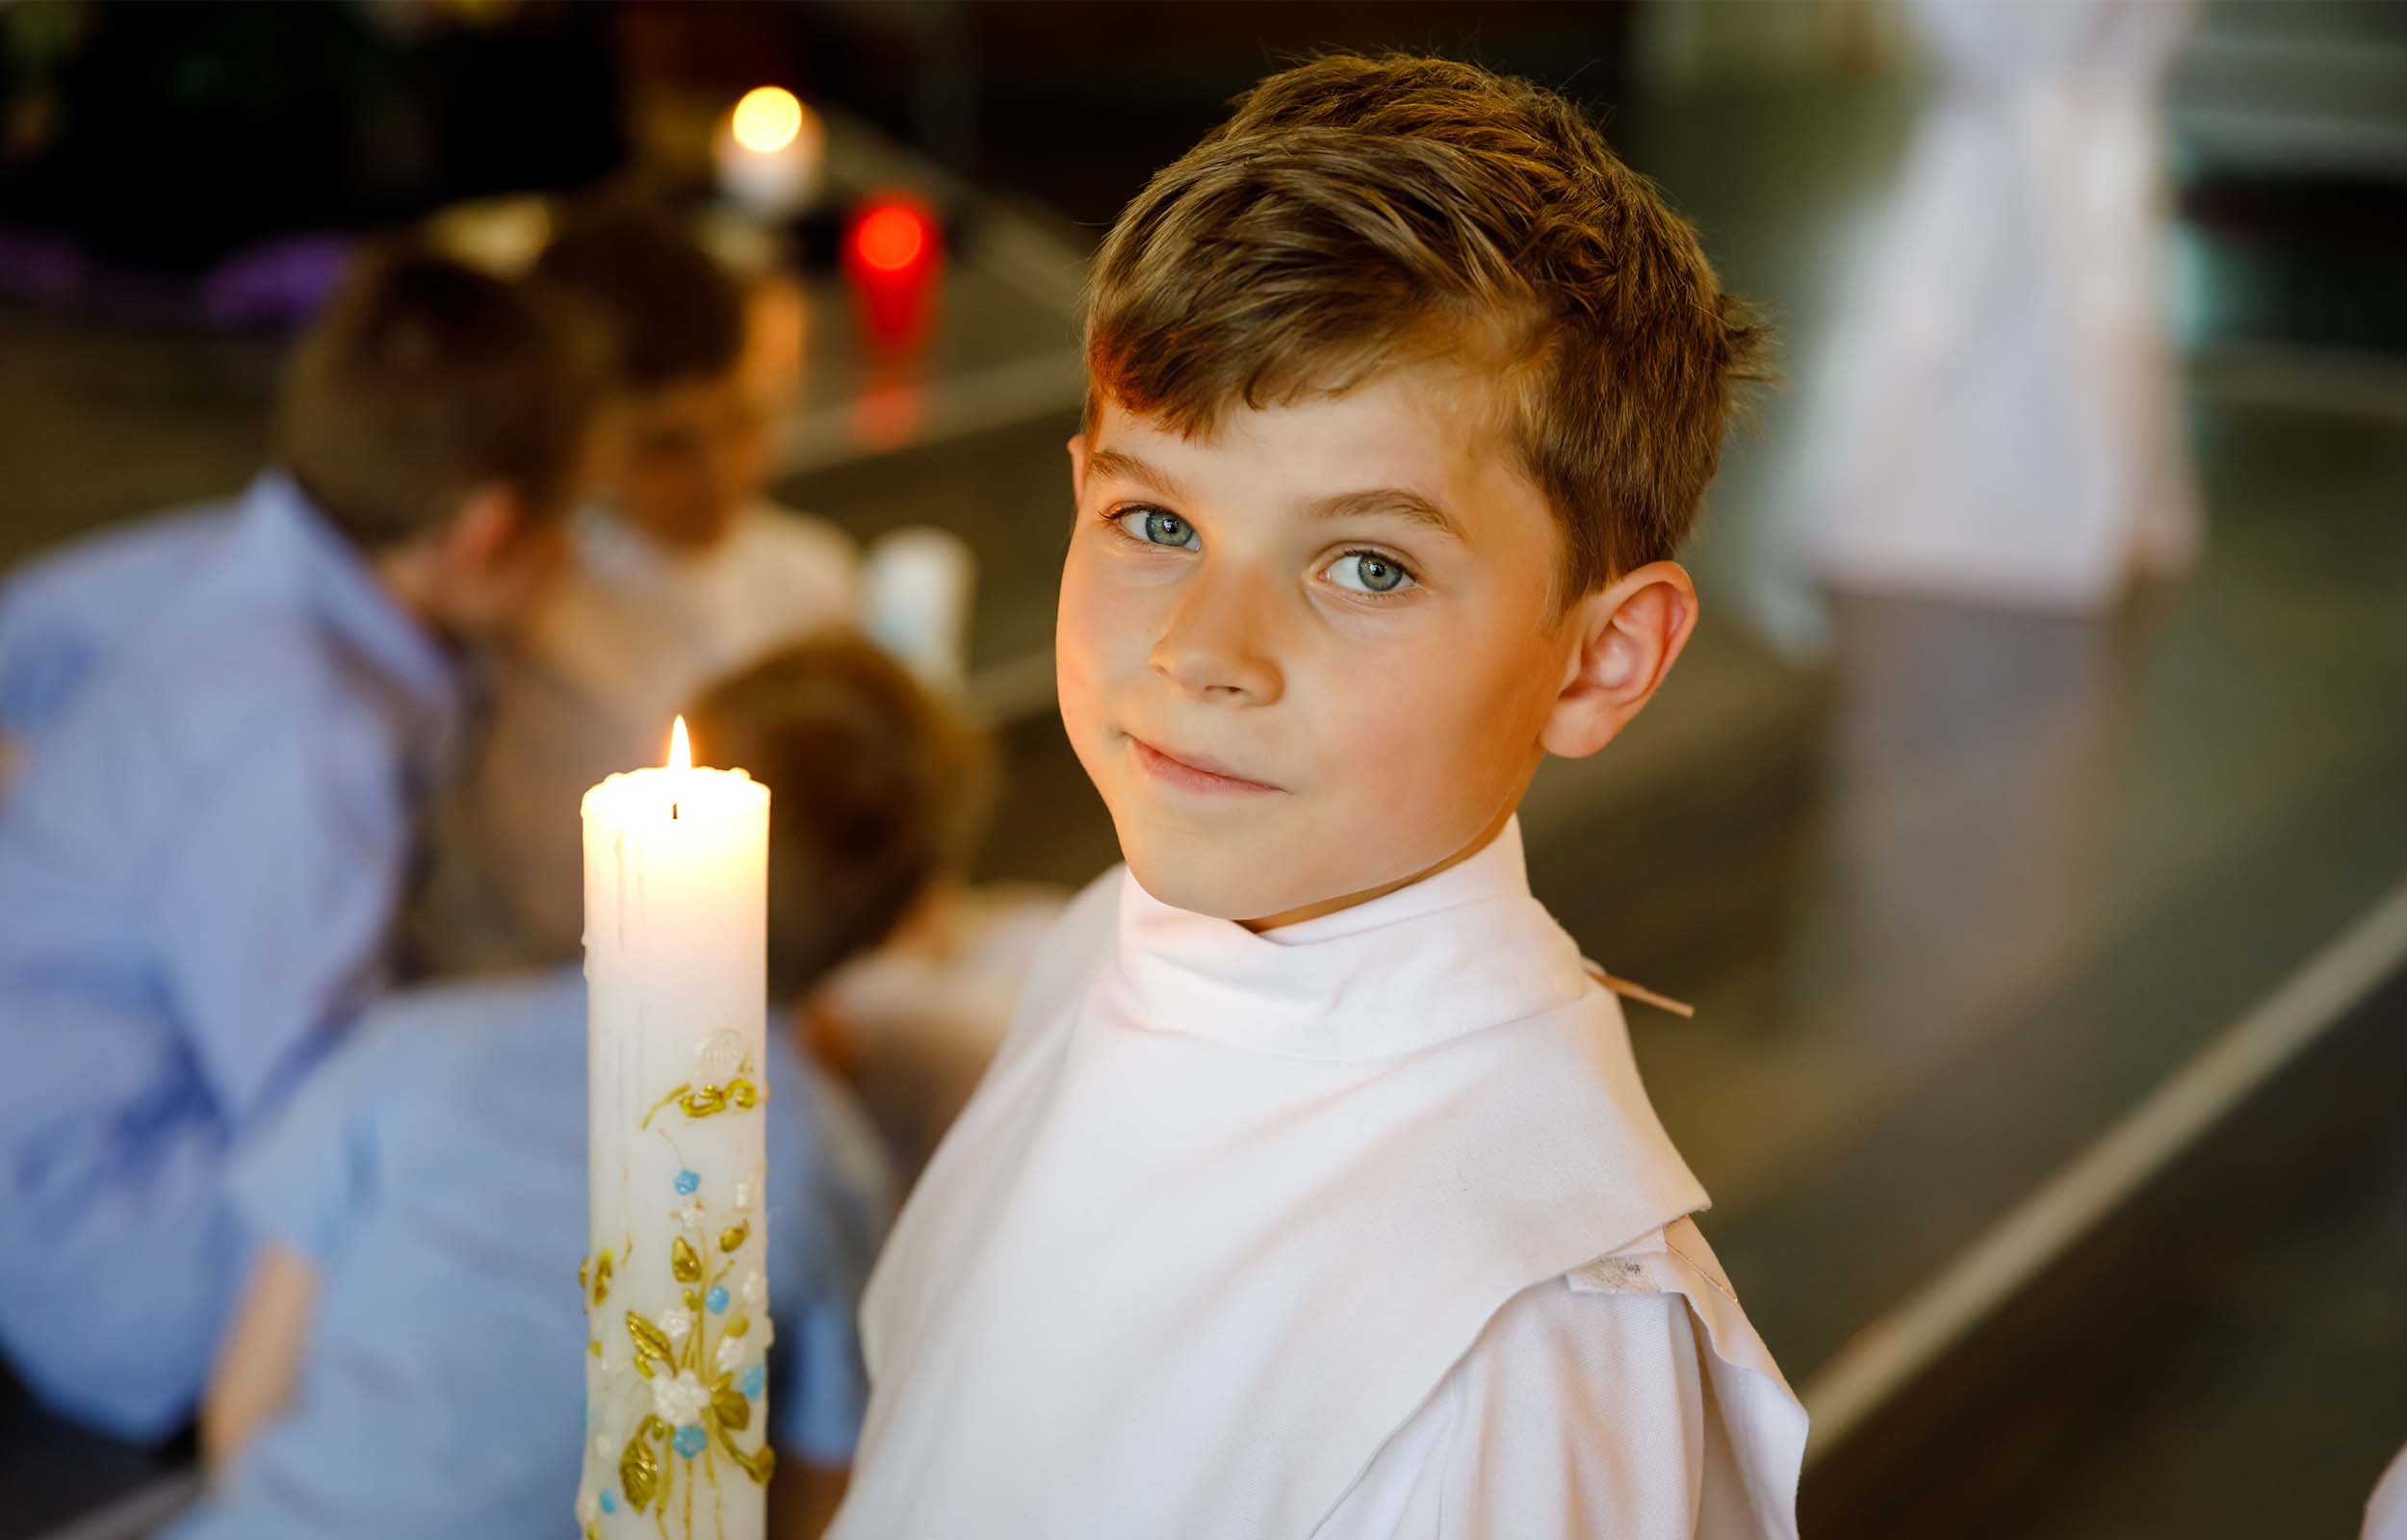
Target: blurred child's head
{"type": "Point", "coordinates": [439, 417]}
{"type": "Point", "coordinates": [687, 444]}
{"type": "Point", "coordinates": [877, 792]}
{"type": "Point", "coordinates": [1403, 392]}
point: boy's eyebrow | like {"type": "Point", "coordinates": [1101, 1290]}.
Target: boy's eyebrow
{"type": "Point", "coordinates": [1401, 502]}
{"type": "Point", "coordinates": [1124, 467]}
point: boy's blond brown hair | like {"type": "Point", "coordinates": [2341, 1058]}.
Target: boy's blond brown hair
{"type": "Point", "coordinates": [877, 789]}
{"type": "Point", "coordinates": [1356, 215]}
{"type": "Point", "coordinates": [426, 379]}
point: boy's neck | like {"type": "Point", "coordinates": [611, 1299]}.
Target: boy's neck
{"type": "Point", "coordinates": [1330, 906]}
{"type": "Point", "coordinates": [407, 572]}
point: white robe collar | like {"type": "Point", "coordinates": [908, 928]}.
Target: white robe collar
{"type": "Point", "coordinates": [1452, 954]}
{"type": "Point", "coordinates": [1228, 1207]}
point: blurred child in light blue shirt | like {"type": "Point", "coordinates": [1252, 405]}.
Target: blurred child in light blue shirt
{"type": "Point", "coordinates": [409, 1356]}
{"type": "Point", "coordinates": [205, 833]}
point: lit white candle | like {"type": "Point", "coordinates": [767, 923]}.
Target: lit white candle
{"type": "Point", "coordinates": [770, 152]}
{"type": "Point", "coordinates": [674, 1286]}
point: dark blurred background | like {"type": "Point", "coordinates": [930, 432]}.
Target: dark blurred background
{"type": "Point", "coordinates": [2050, 959]}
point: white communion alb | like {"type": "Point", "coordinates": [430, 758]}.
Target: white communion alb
{"type": "Point", "coordinates": [1357, 1227]}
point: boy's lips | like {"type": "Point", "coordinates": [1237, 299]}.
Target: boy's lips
{"type": "Point", "coordinates": [1195, 771]}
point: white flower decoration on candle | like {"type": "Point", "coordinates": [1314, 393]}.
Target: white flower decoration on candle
{"type": "Point", "coordinates": [720, 1056]}
{"type": "Point", "coordinates": [679, 1400]}
{"type": "Point", "coordinates": [675, 1321]}
{"type": "Point", "coordinates": [756, 1291]}
{"type": "Point", "coordinates": [743, 1198]}
{"type": "Point", "coordinates": [731, 1354]}
{"type": "Point", "coordinates": [767, 1331]}
{"type": "Point", "coordinates": [691, 1215]}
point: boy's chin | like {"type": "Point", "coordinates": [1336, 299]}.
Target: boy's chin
{"type": "Point", "coordinates": [1225, 880]}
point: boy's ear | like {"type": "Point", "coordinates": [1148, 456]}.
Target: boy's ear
{"type": "Point", "coordinates": [1077, 469]}
{"type": "Point", "coordinates": [489, 519]}
{"type": "Point", "coordinates": [1625, 639]}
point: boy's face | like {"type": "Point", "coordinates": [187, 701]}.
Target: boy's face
{"type": "Point", "coordinates": [683, 462]}
{"type": "Point", "coordinates": [683, 459]}
{"type": "Point", "coordinates": [1267, 600]}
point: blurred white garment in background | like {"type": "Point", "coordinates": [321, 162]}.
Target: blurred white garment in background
{"type": "Point", "coordinates": [2386, 1512]}
{"type": "Point", "coordinates": [2004, 423]}
{"type": "Point", "coordinates": [921, 1018]}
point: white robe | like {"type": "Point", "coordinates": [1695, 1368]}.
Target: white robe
{"type": "Point", "coordinates": [2001, 418]}
{"type": "Point", "coordinates": [1362, 1226]}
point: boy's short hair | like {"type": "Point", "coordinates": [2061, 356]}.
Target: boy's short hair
{"type": "Point", "coordinates": [672, 311]}
{"type": "Point", "coordinates": [426, 379]}
{"type": "Point", "coordinates": [1358, 213]}
{"type": "Point", "coordinates": [877, 790]}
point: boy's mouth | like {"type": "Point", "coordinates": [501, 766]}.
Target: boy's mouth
{"type": "Point", "coordinates": [1193, 772]}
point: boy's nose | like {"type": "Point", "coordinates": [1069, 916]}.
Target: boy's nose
{"type": "Point", "coordinates": [1215, 643]}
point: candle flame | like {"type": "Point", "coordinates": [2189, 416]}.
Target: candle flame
{"type": "Point", "coordinates": [768, 120]}
{"type": "Point", "coordinates": [680, 747]}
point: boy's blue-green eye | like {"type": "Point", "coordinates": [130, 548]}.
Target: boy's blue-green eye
{"type": "Point", "coordinates": [1164, 528]}
{"type": "Point", "coordinates": [1378, 573]}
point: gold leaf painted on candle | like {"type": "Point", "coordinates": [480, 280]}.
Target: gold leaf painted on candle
{"type": "Point", "coordinates": [662, 1102]}
{"type": "Point", "coordinates": [601, 1280]}
{"type": "Point", "coordinates": [741, 1094]}
{"type": "Point", "coordinates": [734, 1411]}
{"type": "Point", "coordinates": [581, 1285]}
{"type": "Point", "coordinates": [706, 1101]}
{"type": "Point", "coordinates": [648, 1338]}
{"type": "Point", "coordinates": [593, 1346]}
{"type": "Point", "coordinates": [741, 1325]}
{"type": "Point", "coordinates": [760, 1465]}
{"type": "Point", "coordinates": [734, 1236]}
{"type": "Point", "coordinates": [682, 1262]}
{"type": "Point", "coordinates": [638, 1473]}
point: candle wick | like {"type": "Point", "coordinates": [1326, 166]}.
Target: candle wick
{"type": "Point", "coordinates": [672, 809]}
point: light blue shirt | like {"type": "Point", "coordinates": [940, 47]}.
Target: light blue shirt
{"type": "Point", "coordinates": [200, 853]}
{"type": "Point", "coordinates": [63, 614]}
{"type": "Point", "coordinates": [435, 1172]}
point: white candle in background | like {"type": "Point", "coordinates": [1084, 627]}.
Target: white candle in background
{"type": "Point", "coordinates": [674, 1280]}
{"type": "Point", "coordinates": [916, 587]}
{"type": "Point", "coordinates": [771, 154]}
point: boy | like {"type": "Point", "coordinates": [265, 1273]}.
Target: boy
{"type": "Point", "coordinates": [205, 838]}
{"type": "Point", "coordinates": [683, 572]}
{"type": "Point", "coordinates": [1315, 1192]}
{"type": "Point", "coordinates": [410, 1351]}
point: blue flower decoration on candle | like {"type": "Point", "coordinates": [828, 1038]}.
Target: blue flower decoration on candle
{"type": "Point", "coordinates": [687, 1181]}
{"type": "Point", "coordinates": [717, 1300]}
{"type": "Point", "coordinates": [755, 1377]}
{"type": "Point", "coordinates": [688, 1440]}
{"type": "Point", "coordinates": [610, 1502]}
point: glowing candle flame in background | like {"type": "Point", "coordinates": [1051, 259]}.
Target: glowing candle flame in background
{"type": "Point", "coordinates": [767, 118]}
